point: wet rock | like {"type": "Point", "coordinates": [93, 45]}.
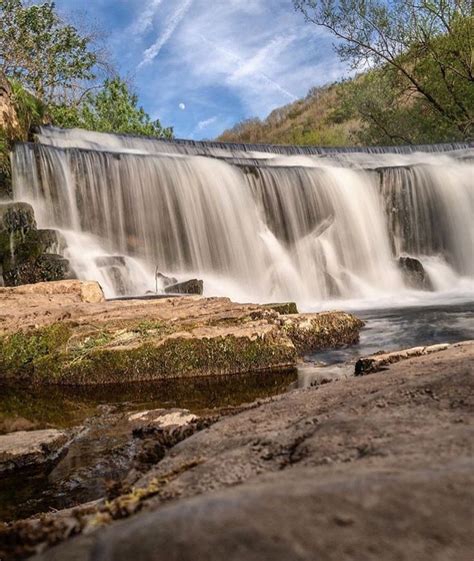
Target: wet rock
{"type": "Point", "coordinates": [28, 255]}
{"type": "Point", "coordinates": [414, 273]}
{"type": "Point", "coordinates": [193, 286]}
{"type": "Point", "coordinates": [34, 448]}
{"type": "Point", "coordinates": [381, 361]}
{"type": "Point", "coordinates": [45, 268]}
{"type": "Point", "coordinates": [164, 281]}
{"type": "Point", "coordinates": [110, 261]}
{"type": "Point", "coordinates": [16, 217]}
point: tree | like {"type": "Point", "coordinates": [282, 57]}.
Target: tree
{"type": "Point", "coordinates": [47, 55]}
{"type": "Point", "coordinates": [420, 49]}
{"type": "Point", "coordinates": [114, 108]}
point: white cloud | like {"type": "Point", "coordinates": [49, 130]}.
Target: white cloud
{"type": "Point", "coordinates": [152, 52]}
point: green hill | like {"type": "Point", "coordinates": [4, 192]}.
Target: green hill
{"type": "Point", "coordinates": [317, 119]}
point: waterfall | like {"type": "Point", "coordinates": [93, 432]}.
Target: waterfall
{"type": "Point", "coordinates": [256, 222]}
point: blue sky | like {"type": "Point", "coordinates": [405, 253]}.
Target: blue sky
{"type": "Point", "coordinates": [203, 65]}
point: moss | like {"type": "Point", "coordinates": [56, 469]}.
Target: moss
{"type": "Point", "coordinates": [20, 351]}
{"type": "Point", "coordinates": [175, 357]}
{"type": "Point", "coordinates": [284, 308]}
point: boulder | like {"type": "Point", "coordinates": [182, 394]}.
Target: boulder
{"type": "Point", "coordinates": [88, 292]}
{"type": "Point", "coordinates": [28, 255]}
{"type": "Point", "coordinates": [24, 449]}
{"type": "Point", "coordinates": [414, 273]}
{"type": "Point", "coordinates": [193, 286]}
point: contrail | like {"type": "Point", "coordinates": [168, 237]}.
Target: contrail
{"type": "Point", "coordinates": [241, 62]}
{"type": "Point", "coordinates": [152, 52]}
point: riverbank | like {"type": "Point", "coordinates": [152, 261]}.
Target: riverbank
{"type": "Point", "coordinates": [379, 465]}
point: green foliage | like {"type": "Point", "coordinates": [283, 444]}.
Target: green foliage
{"type": "Point", "coordinates": [422, 85]}
{"type": "Point", "coordinates": [114, 108]}
{"type": "Point", "coordinates": [37, 48]}
{"type": "Point", "coordinates": [30, 110]}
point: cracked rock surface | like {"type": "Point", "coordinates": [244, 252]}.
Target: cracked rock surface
{"type": "Point", "coordinates": [371, 468]}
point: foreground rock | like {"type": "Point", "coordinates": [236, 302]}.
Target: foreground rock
{"type": "Point", "coordinates": [378, 468]}
{"type": "Point", "coordinates": [63, 333]}
{"type": "Point", "coordinates": [27, 449]}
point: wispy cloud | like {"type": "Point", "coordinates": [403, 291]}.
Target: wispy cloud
{"type": "Point", "coordinates": [152, 52]}
{"type": "Point", "coordinates": [146, 17]}
{"type": "Point", "coordinates": [251, 67]}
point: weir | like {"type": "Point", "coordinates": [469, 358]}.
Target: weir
{"type": "Point", "coordinates": [256, 222]}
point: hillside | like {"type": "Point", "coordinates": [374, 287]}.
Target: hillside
{"type": "Point", "coordinates": [315, 119]}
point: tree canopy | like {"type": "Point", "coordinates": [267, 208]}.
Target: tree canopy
{"type": "Point", "coordinates": [59, 65]}
{"type": "Point", "coordinates": [114, 108]}
{"type": "Point", "coordinates": [44, 53]}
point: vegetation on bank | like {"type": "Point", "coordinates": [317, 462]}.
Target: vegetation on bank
{"type": "Point", "coordinates": [417, 85]}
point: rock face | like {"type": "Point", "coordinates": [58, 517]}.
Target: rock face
{"type": "Point", "coordinates": [414, 273]}
{"type": "Point", "coordinates": [70, 342]}
{"type": "Point", "coordinates": [26, 449]}
{"type": "Point", "coordinates": [377, 468]}
{"type": "Point", "coordinates": [193, 286]}
{"type": "Point", "coordinates": [28, 255]}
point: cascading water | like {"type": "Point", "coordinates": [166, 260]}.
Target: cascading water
{"type": "Point", "coordinates": [257, 223]}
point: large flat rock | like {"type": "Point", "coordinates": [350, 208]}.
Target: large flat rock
{"type": "Point", "coordinates": [66, 333]}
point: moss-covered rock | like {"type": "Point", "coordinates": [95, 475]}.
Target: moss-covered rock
{"type": "Point", "coordinates": [67, 355]}
{"type": "Point", "coordinates": [313, 332]}
{"type": "Point", "coordinates": [73, 342]}
{"type": "Point", "coordinates": [16, 217]}
{"type": "Point", "coordinates": [46, 267]}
